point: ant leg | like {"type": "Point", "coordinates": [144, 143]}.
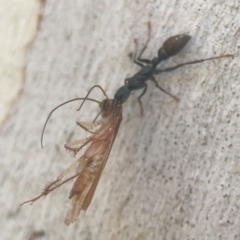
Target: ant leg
{"type": "Point", "coordinates": [147, 61]}
{"type": "Point", "coordinates": [163, 90]}
{"type": "Point", "coordinates": [189, 63]}
{"type": "Point", "coordinates": [139, 98]}
{"type": "Point", "coordinates": [134, 57]}
{"type": "Point", "coordinates": [138, 60]}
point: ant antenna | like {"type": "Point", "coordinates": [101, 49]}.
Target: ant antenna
{"type": "Point", "coordinates": [90, 92]}
{"type": "Point", "coordinates": [49, 115]}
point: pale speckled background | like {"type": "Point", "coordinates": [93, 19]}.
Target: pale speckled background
{"type": "Point", "coordinates": [171, 174]}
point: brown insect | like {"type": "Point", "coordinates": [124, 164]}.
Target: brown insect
{"type": "Point", "coordinates": [90, 165]}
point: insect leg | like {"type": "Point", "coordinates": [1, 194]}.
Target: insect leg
{"type": "Point", "coordinates": [78, 162]}
{"type": "Point", "coordinates": [191, 62]}
{"type": "Point", "coordinates": [139, 98]}
{"type": "Point", "coordinates": [138, 60]}
{"type": "Point", "coordinates": [163, 90]}
{"type": "Point", "coordinates": [95, 119]}
{"type": "Point", "coordinates": [134, 56]}
{"type": "Point", "coordinates": [49, 188]}
{"type": "Point", "coordinates": [77, 145]}
{"type": "Point", "coordinates": [86, 125]}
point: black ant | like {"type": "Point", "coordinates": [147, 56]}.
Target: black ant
{"type": "Point", "coordinates": [171, 47]}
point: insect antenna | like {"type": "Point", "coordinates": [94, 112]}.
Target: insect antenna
{"type": "Point", "coordinates": [95, 86]}
{"type": "Point", "coordinates": [72, 100]}
{"type": "Point", "coordinates": [95, 119]}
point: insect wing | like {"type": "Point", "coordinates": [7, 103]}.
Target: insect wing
{"type": "Point", "coordinates": [82, 201]}
{"type": "Point", "coordinates": [95, 182]}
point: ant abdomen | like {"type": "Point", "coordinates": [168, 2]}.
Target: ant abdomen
{"type": "Point", "coordinates": [173, 46]}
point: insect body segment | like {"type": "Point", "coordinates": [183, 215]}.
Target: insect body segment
{"type": "Point", "coordinates": [173, 46]}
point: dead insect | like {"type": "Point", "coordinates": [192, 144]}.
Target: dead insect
{"type": "Point", "coordinates": [90, 165]}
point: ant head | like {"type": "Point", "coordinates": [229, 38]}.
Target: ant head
{"type": "Point", "coordinates": [122, 94]}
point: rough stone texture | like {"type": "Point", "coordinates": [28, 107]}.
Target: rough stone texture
{"type": "Point", "coordinates": [172, 174]}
